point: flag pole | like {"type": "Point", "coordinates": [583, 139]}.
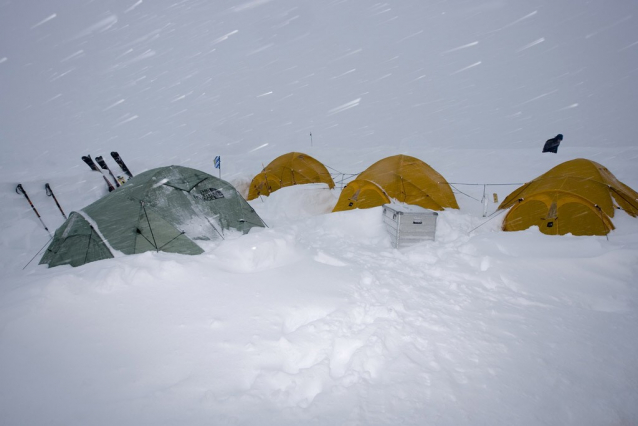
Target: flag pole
{"type": "Point", "coordinates": [218, 165]}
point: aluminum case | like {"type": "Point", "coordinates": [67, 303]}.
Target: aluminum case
{"type": "Point", "coordinates": [408, 224]}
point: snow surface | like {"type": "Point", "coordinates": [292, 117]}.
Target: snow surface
{"type": "Point", "coordinates": [317, 319]}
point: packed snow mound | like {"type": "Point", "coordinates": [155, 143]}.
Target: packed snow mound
{"type": "Point", "coordinates": [322, 317]}
{"type": "Point", "coordinates": [295, 202]}
{"type": "Point", "coordinates": [258, 251]}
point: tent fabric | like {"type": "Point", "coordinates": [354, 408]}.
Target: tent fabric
{"type": "Point", "coordinates": [294, 168]}
{"type": "Point", "coordinates": [578, 197]}
{"type": "Point", "coordinates": [401, 177]}
{"type": "Point", "coordinates": [361, 194]}
{"type": "Point", "coordinates": [74, 243]}
{"type": "Point", "coordinates": [165, 209]}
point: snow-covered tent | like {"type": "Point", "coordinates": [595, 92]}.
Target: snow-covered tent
{"type": "Point", "coordinates": [400, 177]}
{"type": "Point", "coordinates": [165, 209]}
{"type": "Point", "coordinates": [577, 197]}
{"type": "Point", "coordinates": [294, 168]}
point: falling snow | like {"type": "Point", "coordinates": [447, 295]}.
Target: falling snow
{"type": "Point", "coordinates": [317, 319]}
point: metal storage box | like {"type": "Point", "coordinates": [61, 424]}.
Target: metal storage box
{"type": "Point", "coordinates": [408, 224]}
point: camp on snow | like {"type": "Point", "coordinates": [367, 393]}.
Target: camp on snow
{"type": "Point", "coordinates": [294, 168]}
{"type": "Point", "coordinates": [574, 197]}
{"type": "Point", "coordinates": [402, 178]}
{"type": "Point", "coordinates": [165, 209]}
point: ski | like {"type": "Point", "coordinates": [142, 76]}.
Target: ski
{"type": "Point", "coordinates": [50, 193]}
{"type": "Point", "coordinates": [89, 162]}
{"type": "Point", "coordinates": [120, 163]}
{"type": "Point", "coordinates": [103, 164]}
{"type": "Point", "coordinates": [20, 190]}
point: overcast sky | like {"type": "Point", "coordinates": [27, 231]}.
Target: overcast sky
{"type": "Point", "coordinates": [230, 76]}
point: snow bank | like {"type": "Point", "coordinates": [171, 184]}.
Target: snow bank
{"type": "Point", "coordinates": [320, 318]}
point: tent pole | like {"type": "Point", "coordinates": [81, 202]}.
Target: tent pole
{"type": "Point", "coordinates": [149, 226]}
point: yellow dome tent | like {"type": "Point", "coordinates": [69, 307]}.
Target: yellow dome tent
{"type": "Point", "coordinates": [401, 177]}
{"type": "Point", "coordinates": [361, 194]}
{"type": "Point", "coordinates": [574, 197]}
{"type": "Point", "coordinates": [294, 168]}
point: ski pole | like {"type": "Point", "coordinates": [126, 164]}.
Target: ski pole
{"type": "Point", "coordinates": [20, 190]}
{"type": "Point", "coordinates": [50, 193]}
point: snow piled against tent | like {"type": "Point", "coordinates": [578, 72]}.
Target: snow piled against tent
{"type": "Point", "coordinates": [319, 319]}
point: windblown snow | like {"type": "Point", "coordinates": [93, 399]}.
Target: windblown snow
{"type": "Point", "coordinates": [316, 319]}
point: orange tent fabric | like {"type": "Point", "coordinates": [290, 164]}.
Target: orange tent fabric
{"type": "Point", "coordinates": [361, 194]}
{"type": "Point", "coordinates": [400, 177]}
{"type": "Point", "coordinates": [294, 168]}
{"type": "Point", "coordinates": [578, 197]}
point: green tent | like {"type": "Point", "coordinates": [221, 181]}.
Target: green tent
{"type": "Point", "coordinates": [165, 209]}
